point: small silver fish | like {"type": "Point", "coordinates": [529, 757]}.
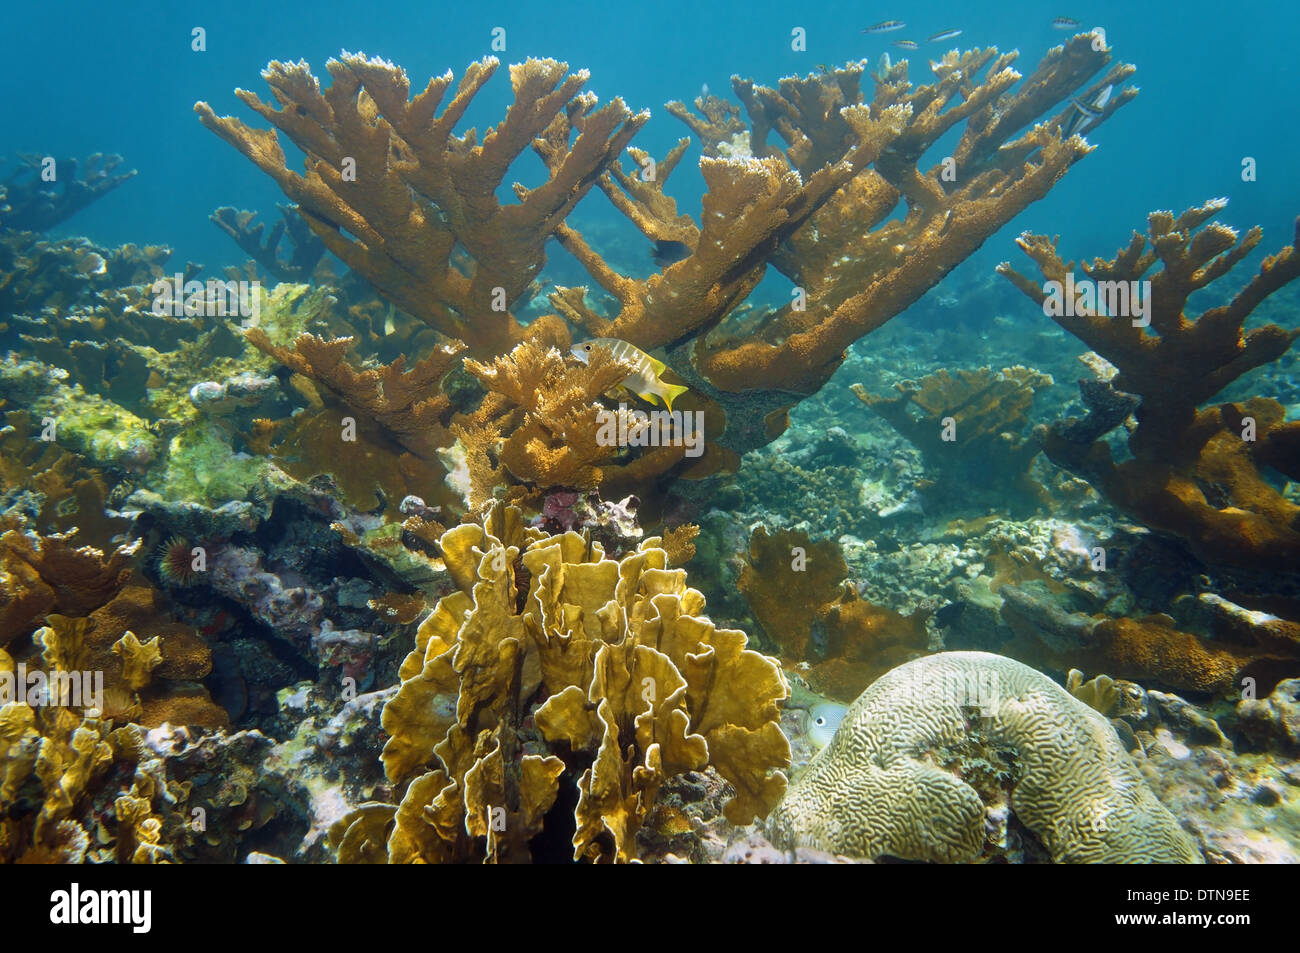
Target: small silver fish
{"type": "Point", "coordinates": [885, 26]}
{"type": "Point", "coordinates": [1064, 23]}
{"type": "Point", "coordinates": [944, 35]}
{"type": "Point", "coordinates": [823, 721]}
{"type": "Point", "coordinates": [906, 44]}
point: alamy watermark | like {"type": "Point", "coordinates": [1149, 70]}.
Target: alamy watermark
{"type": "Point", "coordinates": [1116, 299]}
{"type": "Point", "coordinates": [52, 689]}
{"type": "Point", "coordinates": [177, 298]}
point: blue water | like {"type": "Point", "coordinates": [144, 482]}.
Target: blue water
{"type": "Point", "coordinates": [1217, 84]}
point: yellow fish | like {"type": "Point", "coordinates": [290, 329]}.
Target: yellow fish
{"type": "Point", "coordinates": [645, 381]}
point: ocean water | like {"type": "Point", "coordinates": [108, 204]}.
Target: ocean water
{"type": "Point", "coordinates": [1213, 91]}
{"type": "Point", "coordinates": [275, 538]}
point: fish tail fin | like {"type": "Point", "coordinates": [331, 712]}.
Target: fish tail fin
{"type": "Point", "coordinates": [671, 392]}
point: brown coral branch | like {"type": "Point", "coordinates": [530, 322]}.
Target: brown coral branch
{"type": "Point", "coordinates": [1194, 472]}
{"type": "Point", "coordinates": [409, 404]}
{"type": "Point", "coordinates": [392, 192]}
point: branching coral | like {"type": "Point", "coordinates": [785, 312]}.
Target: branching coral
{"type": "Point", "coordinates": [426, 228]}
{"type": "Point", "coordinates": [551, 661]}
{"type": "Point", "coordinates": [542, 425]}
{"type": "Point", "coordinates": [934, 750]}
{"type": "Point", "coordinates": [29, 201]}
{"type": "Point", "coordinates": [387, 170]}
{"type": "Point", "coordinates": [819, 210]}
{"type": "Point", "coordinates": [968, 426]}
{"type": "Point", "coordinates": [305, 249]}
{"type": "Point", "coordinates": [1194, 473]}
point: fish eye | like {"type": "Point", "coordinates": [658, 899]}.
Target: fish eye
{"type": "Point", "coordinates": [821, 722]}
{"type": "Point", "coordinates": [587, 347]}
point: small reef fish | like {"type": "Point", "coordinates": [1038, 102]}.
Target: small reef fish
{"type": "Point", "coordinates": [668, 252]}
{"type": "Point", "coordinates": [1085, 113]}
{"type": "Point", "coordinates": [944, 35]}
{"type": "Point", "coordinates": [1064, 23]}
{"type": "Point", "coordinates": [885, 26]}
{"type": "Point", "coordinates": [823, 721]}
{"type": "Point", "coordinates": [906, 44]}
{"type": "Point", "coordinates": [646, 380]}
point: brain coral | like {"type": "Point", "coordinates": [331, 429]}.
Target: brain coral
{"type": "Point", "coordinates": [937, 747]}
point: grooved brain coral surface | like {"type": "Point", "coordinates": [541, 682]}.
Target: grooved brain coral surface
{"type": "Point", "coordinates": [898, 778]}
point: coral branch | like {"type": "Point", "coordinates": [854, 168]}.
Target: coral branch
{"type": "Point", "coordinates": [1194, 473]}
{"type": "Point", "coordinates": [393, 193]}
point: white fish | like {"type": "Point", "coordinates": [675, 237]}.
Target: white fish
{"type": "Point", "coordinates": [823, 721]}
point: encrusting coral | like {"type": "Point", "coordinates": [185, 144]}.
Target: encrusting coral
{"type": "Point", "coordinates": [1194, 473]}
{"type": "Point", "coordinates": [931, 757]}
{"type": "Point", "coordinates": [839, 643]}
{"type": "Point", "coordinates": [550, 663]}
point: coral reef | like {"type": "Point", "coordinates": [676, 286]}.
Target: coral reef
{"type": "Point", "coordinates": [1194, 473]}
{"type": "Point", "coordinates": [968, 426]}
{"type": "Point", "coordinates": [553, 661]}
{"type": "Point", "coordinates": [836, 641]}
{"type": "Point", "coordinates": [932, 759]}
{"type": "Point", "coordinates": [428, 231]}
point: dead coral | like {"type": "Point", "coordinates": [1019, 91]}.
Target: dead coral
{"type": "Point", "coordinates": [552, 659]}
